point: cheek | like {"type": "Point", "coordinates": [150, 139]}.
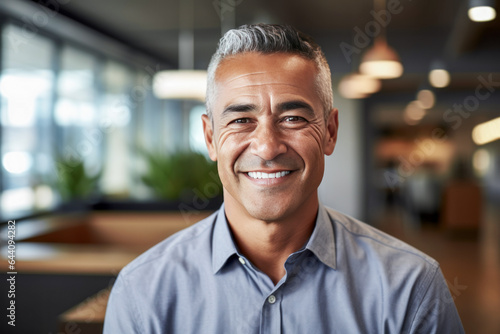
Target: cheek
{"type": "Point", "coordinates": [313, 158]}
{"type": "Point", "coordinates": [310, 142]}
{"type": "Point", "coordinates": [227, 137]}
{"type": "Point", "coordinates": [310, 148]}
{"type": "Point", "coordinates": [231, 144]}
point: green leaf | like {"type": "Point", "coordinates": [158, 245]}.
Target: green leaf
{"type": "Point", "coordinates": [179, 175]}
{"type": "Point", "coordinates": [72, 181]}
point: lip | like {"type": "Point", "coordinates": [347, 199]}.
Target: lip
{"type": "Point", "coordinates": [268, 171]}
{"type": "Point", "coordinates": [269, 181]}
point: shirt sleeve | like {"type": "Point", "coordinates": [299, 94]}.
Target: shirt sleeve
{"type": "Point", "coordinates": [437, 312]}
{"type": "Point", "coordinates": [121, 313]}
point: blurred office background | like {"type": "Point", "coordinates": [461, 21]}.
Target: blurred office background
{"type": "Point", "coordinates": [87, 134]}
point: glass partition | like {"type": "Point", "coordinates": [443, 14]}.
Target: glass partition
{"type": "Point", "coordinates": [26, 86]}
{"type": "Point", "coordinates": [74, 124]}
{"type": "Point", "coordinates": [114, 130]}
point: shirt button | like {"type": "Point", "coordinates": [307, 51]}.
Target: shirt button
{"type": "Point", "coordinates": [271, 299]}
{"type": "Point", "coordinates": [242, 260]}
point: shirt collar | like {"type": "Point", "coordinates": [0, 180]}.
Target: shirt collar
{"type": "Point", "coordinates": [321, 242]}
{"type": "Point", "coordinates": [223, 246]}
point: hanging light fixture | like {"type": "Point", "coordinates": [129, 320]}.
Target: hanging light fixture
{"type": "Point", "coordinates": [381, 61]}
{"type": "Point", "coordinates": [180, 84]}
{"type": "Point", "coordinates": [358, 86]}
{"type": "Point", "coordinates": [486, 132]}
{"type": "Point", "coordinates": [482, 10]}
{"type": "Point", "coordinates": [426, 98]}
{"type": "Point", "coordinates": [184, 83]}
{"type": "Point", "coordinates": [439, 76]}
{"type": "Point", "coordinates": [414, 113]}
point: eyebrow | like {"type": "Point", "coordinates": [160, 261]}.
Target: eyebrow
{"type": "Point", "coordinates": [281, 107]}
{"type": "Point", "coordinates": [238, 108]}
{"type": "Point", "coordinates": [293, 105]}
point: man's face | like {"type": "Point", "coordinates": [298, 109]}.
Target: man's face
{"type": "Point", "coordinates": [269, 134]}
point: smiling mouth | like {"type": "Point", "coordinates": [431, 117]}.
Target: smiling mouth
{"type": "Point", "coordinates": [262, 175]}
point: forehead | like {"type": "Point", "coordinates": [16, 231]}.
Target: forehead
{"type": "Point", "coordinates": [279, 76]}
{"type": "Point", "coordinates": [249, 71]}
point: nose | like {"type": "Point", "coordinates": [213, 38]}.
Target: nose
{"type": "Point", "coordinates": [267, 142]}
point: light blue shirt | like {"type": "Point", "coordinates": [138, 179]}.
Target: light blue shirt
{"type": "Point", "coordinates": [349, 278]}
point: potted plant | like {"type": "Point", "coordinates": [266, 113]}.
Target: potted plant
{"type": "Point", "coordinates": [74, 183]}
{"type": "Point", "coordinates": [181, 176]}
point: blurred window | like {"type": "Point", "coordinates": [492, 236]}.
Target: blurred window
{"type": "Point", "coordinates": [114, 126]}
{"type": "Point", "coordinates": [60, 104]}
{"type": "Point", "coordinates": [76, 106]}
{"type": "Point", "coordinates": [196, 137]}
{"type": "Point", "coordinates": [26, 86]}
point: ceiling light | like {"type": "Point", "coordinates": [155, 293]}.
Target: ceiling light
{"type": "Point", "coordinates": [180, 84]}
{"type": "Point", "coordinates": [413, 113]}
{"type": "Point", "coordinates": [486, 132]}
{"type": "Point", "coordinates": [357, 86]}
{"type": "Point", "coordinates": [439, 78]}
{"type": "Point", "coordinates": [381, 61]}
{"type": "Point", "coordinates": [426, 98]}
{"type": "Point", "coordinates": [482, 10]}
{"type": "Point", "coordinates": [481, 161]}
{"type": "Point", "coordinates": [185, 83]}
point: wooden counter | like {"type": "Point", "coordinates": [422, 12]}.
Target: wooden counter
{"type": "Point", "coordinates": [99, 243]}
{"type": "Point", "coordinates": [86, 317]}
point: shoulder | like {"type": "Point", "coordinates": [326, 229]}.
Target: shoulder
{"type": "Point", "coordinates": [386, 268]}
{"type": "Point", "coordinates": [184, 244]}
{"type": "Point", "coordinates": [158, 274]}
{"type": "Point", "coordinates": [356, 236]}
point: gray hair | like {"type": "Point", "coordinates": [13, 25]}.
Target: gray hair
{"type": "Point", "coordinates": [267, 39]}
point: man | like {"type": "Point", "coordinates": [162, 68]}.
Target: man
{"type": "Point", "coordinates": [273, 259]}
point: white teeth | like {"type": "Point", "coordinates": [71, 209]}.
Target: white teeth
{"type": "Point", "coordinates": [262, 175]}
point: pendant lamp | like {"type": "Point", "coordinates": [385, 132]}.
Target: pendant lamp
{"type": "Point", "coordinates": [184, 83]}
{"type": "Point", "coordinates": [482, 10]}
{"type": "Point", "coordinates": [381, 61]}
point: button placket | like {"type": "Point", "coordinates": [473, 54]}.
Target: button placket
{"type": "Point", "coordinates": [271, 314]}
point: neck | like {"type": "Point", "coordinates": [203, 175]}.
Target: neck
{"type": "Point", "coordinates": [268, 244]}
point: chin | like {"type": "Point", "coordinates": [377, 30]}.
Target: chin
{"type": "Point", "coordinates": [268, 212]}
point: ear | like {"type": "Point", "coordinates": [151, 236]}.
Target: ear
{"type": "Point", "coordinates": [332, 125]}
{"type": "Point", "coordinates": [209, 136]}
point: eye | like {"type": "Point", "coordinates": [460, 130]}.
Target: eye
{"type": "Point", "coordinates": [293, 119]}
{"type": "Point", "coordinates": [241, 121]}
